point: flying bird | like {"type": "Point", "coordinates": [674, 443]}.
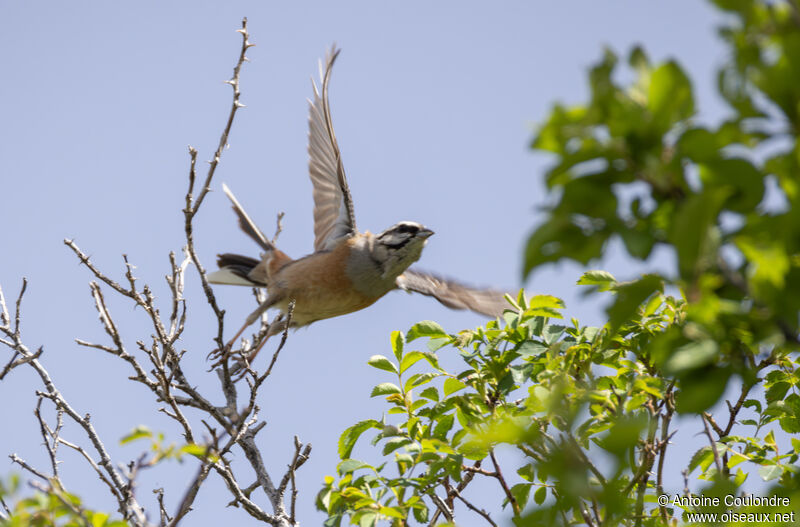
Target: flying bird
{"type": "Point", "coordinates": [348, 270]}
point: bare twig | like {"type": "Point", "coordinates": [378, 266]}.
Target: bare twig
{"type": "Point", "coordinates": [194, 487]}
{"type": "Point", "coordinates": [193, 204]}
{"type": "Point", "coordinates": [713, 444]}
{"type": "Point", "coordinates": [666, 436]}
{"type": "Point", "coordinates": [159, 369]}
{"type": "Point", "coordinates": [511, 499]}
{"type": "Point", "coordinates": [470, 506]}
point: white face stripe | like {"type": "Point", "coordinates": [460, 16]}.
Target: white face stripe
{"type": "Point", "coordinates": [408, 223]}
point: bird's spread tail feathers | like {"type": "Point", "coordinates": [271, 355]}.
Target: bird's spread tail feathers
{"type": "Point", "coordinates": [234, 270]}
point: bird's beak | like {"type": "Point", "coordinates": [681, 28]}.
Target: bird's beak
{"type": "Point", "coordinates": [425, 233]}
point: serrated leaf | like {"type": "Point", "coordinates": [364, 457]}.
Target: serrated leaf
{"type": "Point", "coordinates": [397, 339]}
{"type": "Point", "coordinates": [426, 328]}
{"type": "Point", "coordinates": [603, 280]}
{"type": "Point", "coordinates": [395, 443]}
{"type": "Point", "coordinates": [418, 379]}
{"type": "Point", "coordinates": [702, 458]}
{"type": "Point", "coordinates": [430, 393]}
{"type": "Point", "coordinates": [545, 306]}
{"type": "Point", "coordinates": [349, 437]}
{"type": "Point", "coordinates": [432, 359]}
{"type": "Point", "coordinates": [443, 426]}
{"type": "Point", "coordinates": [384, 388]}
{"type": "Point", "coordinates": [530, 348]}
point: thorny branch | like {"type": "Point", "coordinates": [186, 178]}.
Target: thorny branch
{"type": "Point", "coordinates": [156, 364]}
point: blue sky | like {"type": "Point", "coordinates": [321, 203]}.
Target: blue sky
{"type": "Point", "coordinates": [434, 105]}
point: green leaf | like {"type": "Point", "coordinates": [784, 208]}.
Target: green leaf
{"type": "Point", "coordinates": [437, 343]}
{"type": "Point", "coordinates": [545, 306]}
{"type": "Point", "coordinates": [351, 465]}
{"type": "Point", "coordinates": [700, 390]}
{"type": "Point", "coordinates": [382, 363]}
{"type": "Point", "coordinates": [430, 393]}
{"type": "Point", "coordinates": [698, 144]}
{"type": "Point", "coordinates": [530, 348]}
{"type": "Point", "coordinates": [630, 295]}
{"type": "Point", "coordinates": [443, 426]}
{"type": "Point", "coordinates": [384, 388]}
{"type": "Point", "coordinates": [99, 519]}
{"type": "Point", "coordinates": [560, 237]}
{"type": "Point", "coordinates": [741, 181]}
{"type": "Point", "coordinates": [452, 385]}
{"type": "Point", "coordinates": [670, 96]}
{"type": "Point", "coordinates": [194, 450]}
{"type": "Point", "coordinates": [736, 458]}
{"type": "Point", "coordinates": [418, 379]}
{"type": "Point", "coordinates": [540, 495]}
{"type": "Point", "coordinates": [702, 458]}
{"type": "Point", "coordinates": [551, 333]}
{"type": "Point", "coordinates": [397, 340]}
{"type": "Point", "coordinates": [426, 328]}
{"type": "Point", "coordinates": [368, 519]}
{"type": "Point", "coordinates": [692, 231]}
{"type": "Point", "coordinates": [691, 356]}
{"type": "Point", "coordinates": [432, 359]}
{"type": "Point", "coordinates": [410, 359]}
{"type": "Point", "coordinates": [768, 264]}
{"type": "Point", "coordinates": [777, 391]}
{"type": "Point", "coordinates": [521, 492]}
{"type": "Point", "coordinates": [769, 472]}
{"type": "Point", "coordinates": [395, 443]}
{"type": "Point", "coordinates": [137, 433]}
{"type": "Point", "coordinates": [790, 423]}
{"type": "Point", "coordinates": [603, 280]}
{"type": "Point", "coordinates": [421, 514]}
{"type": "Point", "coordinates": [349, 437]}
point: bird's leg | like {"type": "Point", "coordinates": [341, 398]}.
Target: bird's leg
{"type": "Point", "coordinates": [222, 354]}
{"type": "Point", "coordinates": [278, 326]}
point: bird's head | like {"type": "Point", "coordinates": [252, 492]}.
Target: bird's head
{"type": "Point", "coordinates": [399, 246]}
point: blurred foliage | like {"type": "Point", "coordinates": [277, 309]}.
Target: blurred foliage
{"type": "Point", "coordinates": [48, 506]}
{"type": "Point", "coordinates": [581, 417]}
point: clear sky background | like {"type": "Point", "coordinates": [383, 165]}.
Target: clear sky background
{"type": "Point", "coordinates": [434, 105]}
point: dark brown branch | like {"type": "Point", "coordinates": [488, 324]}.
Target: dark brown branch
{"type": "Point", "coordinates": [470, 506]}
{"type": "Point", "coordinates": [511, 499]}
{"type": "Point", "coordinates": [713, 444]}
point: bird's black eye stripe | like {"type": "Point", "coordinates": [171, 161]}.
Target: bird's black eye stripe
{"type": "Point", "coordinates": [405, 227]}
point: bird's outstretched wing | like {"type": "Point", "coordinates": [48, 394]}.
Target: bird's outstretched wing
{"type": "Point", "coordinates": [246, 224]}
{"type": "Point", "coordinates": [453, 294]}
{"type": "Point", "coordinates": [333, 206]}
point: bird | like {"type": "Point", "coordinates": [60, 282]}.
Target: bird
{"type": "Point", "coordinates": [349, 270]}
